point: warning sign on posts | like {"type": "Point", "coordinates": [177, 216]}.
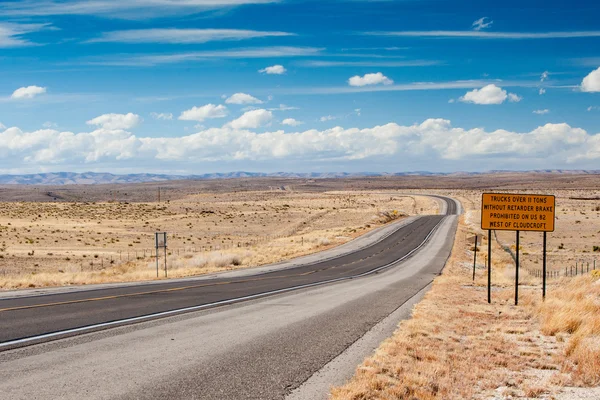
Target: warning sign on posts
{"type": "Point", "coordinates": [517, 212]}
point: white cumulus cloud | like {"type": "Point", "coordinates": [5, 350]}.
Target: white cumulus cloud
{"type": "Point", "coordinates": [273, 70]}
{"type": "Point", "coordinates": [591, 83]}
{"type": "Point", "coordinates": [291, 122]}
{"type": "Point", "coordinates": [116, 121]}
{"type": "Point", "coordinates": [252, 119]}
{"type": "Point", "coordinates": [207, 111]}
{"type": "Point", "coordinates": [28, 92]}
{"type": "Point", "coordinates": [541, 112]}
{"type": "Point", "coordinates": [434, 141]}
{"type": "Point", "coordinates": [370, 79]}
{"type": "Point", "coordinates": [489, 94]}
{"type": "Point", "coordinates": [242, 98]}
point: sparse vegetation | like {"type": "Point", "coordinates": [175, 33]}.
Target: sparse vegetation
{"type": "Point", "coordinates": [113, 241]}
{"type": "Point", "coordinates": [457, 346]}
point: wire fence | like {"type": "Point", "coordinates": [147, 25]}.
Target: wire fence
{"type": "Point", "coordinates": [99, 259]}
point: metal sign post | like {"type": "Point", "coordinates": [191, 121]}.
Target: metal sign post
{"type": "Point", "coordinates": [161, 242]}
{"type": "Point", "coordinates": [517, 271]}
{"type": "Point", "coordinates": [544, 268]}
{"type": "Point", "coordinates": [517, 212]}
{"type": "Point", "coordinates": [489, 266]}
{"type": "Point", "coordinates": [474, 257]}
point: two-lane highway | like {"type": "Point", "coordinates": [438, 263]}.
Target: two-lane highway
{"type": "Point", "coordinates": [284, 326]}
{"type": "Point", "coordinates": [29, 317]}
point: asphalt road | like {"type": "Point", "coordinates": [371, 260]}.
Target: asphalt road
{"type": "Point", "coordinates": [25, 317]}
{"type": "Point", "coordinates": [261, 348]}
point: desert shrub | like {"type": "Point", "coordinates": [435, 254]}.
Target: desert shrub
{"type": "Point", "coordinates": [388, 216]}
{"type": "Point", "coordinates": [323, 242]}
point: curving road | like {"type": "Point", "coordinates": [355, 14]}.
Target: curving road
{"type": "Point", "coordinates": [279, 328]}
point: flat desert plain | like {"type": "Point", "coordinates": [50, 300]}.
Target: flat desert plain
{"type": "Point", "coordinates": [456, 345]}
{"type": "Point", "coordinates": [63, 243]}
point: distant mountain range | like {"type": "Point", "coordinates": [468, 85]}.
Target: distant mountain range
{"type": "Point", "coordinates": [95, 178]}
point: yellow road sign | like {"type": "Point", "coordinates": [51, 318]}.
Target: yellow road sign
{"type": "Point", "coordinates": [517, 212]}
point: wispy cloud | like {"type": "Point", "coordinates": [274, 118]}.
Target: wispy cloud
{"type": "Point", "coordinates": [392, 48]}
{"type": "Point", "coordinates": [488, 35]}
{"type": "Point", "coordinates": [130, 9]}
{"type": "Point", "coordinates": [174, 58]}
{"type": "Point", "coordinates": [412, 86]}
{"type": "Point", "coordinates": [370, 63]}
{"type": "Point", "coordinates": [541, 112]}
{"type": "Point", "coordinates": [482, 23]}
{"type": "Point", "coordinates": [57, 98]}
{"type": "Point", "coordinates": [327, 118]}
{"type": "Point", "coordinates": [12, 35]}
{"type": "Point", "coordinates": [283, 107]}
{"type": "Point", "coordinates": [162, 116]}
{"type": "Point", "coordinates": [586, 61]}
{"type": "Point", "coordinates": [182, 36]}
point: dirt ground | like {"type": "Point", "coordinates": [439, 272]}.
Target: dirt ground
{"type": "Point", "coordinates": [61, 243]}
{"type": "Point", "coordinates": [457, 346]}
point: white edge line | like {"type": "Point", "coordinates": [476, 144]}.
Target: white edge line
{"type": "Point", "coordinates": [210, 305]}
{"type": "Point", "coordinates": [399, 225]}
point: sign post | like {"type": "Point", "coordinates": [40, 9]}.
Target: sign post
{"type": "Point", "coordinates": [489, 266]}
{"type": "Point", "coordinates": [517, 271]}
{"type": "Point", "coordinates": [517, 212]}
{"type": "Point", "coordinates": [544, 268]}
{"type": "Point", "coordinates": [474, 257]}
{"type": "Point", "coordinates": [476, 239]}
{"type": "Point", "coordinates": [161, 242]}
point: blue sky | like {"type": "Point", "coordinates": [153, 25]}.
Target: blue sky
{"type": "Point", "coordinates": [198, 86]}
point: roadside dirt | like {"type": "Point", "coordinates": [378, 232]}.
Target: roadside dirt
{"type": "Point", "coordinates": [457, 346]}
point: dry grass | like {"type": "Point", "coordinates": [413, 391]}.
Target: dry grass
{"type": "Point", "coordinates": [574, 309]}
{"type": "Point", "coordinates": [456, 346]}
{"type": "Point", "coordinates": [51, 244]}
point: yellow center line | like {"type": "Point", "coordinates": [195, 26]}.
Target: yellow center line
{"type": "Point", "coordinates": [60, 303]}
